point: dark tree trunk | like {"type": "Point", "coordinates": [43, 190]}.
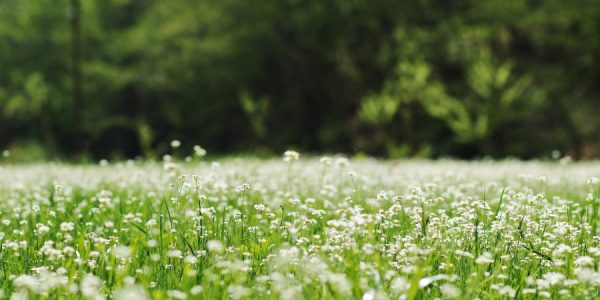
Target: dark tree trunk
{"type": "Point", "coordinates": [77, 91]}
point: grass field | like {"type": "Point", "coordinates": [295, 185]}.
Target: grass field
{"type": "Point", "coordinates": [310, 228]}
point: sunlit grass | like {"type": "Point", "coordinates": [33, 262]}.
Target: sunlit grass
{"type": "Point", "coordinates": [300, 229]}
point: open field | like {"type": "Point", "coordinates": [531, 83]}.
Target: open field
{"type": "Point", "coordinates": [301, 229]}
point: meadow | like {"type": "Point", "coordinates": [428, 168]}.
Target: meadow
{"type": "Point", "coordinates": [300, 228]}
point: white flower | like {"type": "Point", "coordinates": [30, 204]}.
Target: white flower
{"type": "Point", "coordinates": [429, 280]}
{"type": "Point", "coordinates": [175, 143]}
{"type": "Point", "coordinates": [175, 253]}
{"type": "Point", "coordinates": [553, 278]}
{"type": "Point", "coordinates": [199, 151]}
{"type": "Point", "coordinates": [238, 291]}
{"type": "Point", "coordinates": [67, 226]}
{"type": "Point", "coordinates": [121, 252]}
{"type": "Point", "coordinates": [561, 250]}
{"type": "Point", "coordinates": [326, 160]}
{"type": "Point", "coordinates": [399, 285]}
{"type": "Point", "coordinates": [369, 295]}
{"type": "Point", "coordinates": [176, 294]}
{"type": "Point", "coordinates": [484, 259]}
{"type": "Point", "coordinates": [587, 275]}
{"type": "Point", "coordinates": [190, 259]}
{"type": "Point", "coordinates": [215, 246]}
{"type": "Point", "coordinates": [243, 187]}
{"type": "Point", "coordinates": [449, 290]}
{"type": "Point", "coordinates": [289, 156]}
{"type": "Point", "coordinates": [342, 162]}
{"type": "Point", "coordinates": [90, 287]}
{"type": "Point", "coordinates": [584, 261]}
{"type": "Point", "coordinates": [195, 290]}
{"type": "Point", "coordinates": [131, 292]}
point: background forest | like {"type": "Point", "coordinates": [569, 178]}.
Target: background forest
{"type": "Point", "coordinates": [462, 78]}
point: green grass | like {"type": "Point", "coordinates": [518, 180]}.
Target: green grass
{"type": "Point", "coordinates": [303, 229]}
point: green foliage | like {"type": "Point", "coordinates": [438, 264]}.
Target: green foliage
{"type": "Point", "coordinates": [458, 78]}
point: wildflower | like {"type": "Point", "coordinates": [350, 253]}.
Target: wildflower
{"type": "Point", "coordinates": [399, 285]}
{"type": "Point", "coordinates": [174, 253]}
{"type": "Point", "coordinates": [131, 292]}
{"type": "Point", "coordinates": [195, 290]}
{"type": "Point", "coordinates": [243, 187]}
{"type": "Point", "coordinates": [238, 291]}
{"type": "Point", "coordinates": [484, 259]}
{"type": "Point", "coordinates": [584, 261]}
{"type": "Point", "coordinates": [449, 290]}
{"type": "Point", "coordinates": [215, 246]}
{"type": "Point", "coordinates": [588, 276]}
{"type": "Point", "coordinates": [326, 160]}
{"type": "Point", "coordinates": [593, 181]}
{"type": "Point", "coordinates": [121, 252]}
{"type": "Point", "coordinates": [289, 156]}
{"type": "Point", "coordinates": [429, 280]}
{"type": "Point", "coordinates": [176, 294]}
{"type": "Point", "coordinates": [369, 295]}
{"type": "Point", "coordinates": [175, 143]}
{"type": "Point", "coordinates": [199, 151]}
{"type": "Point", "coordinates": [342, 162]}
{"type": "Point", "coordinates": [90, 287]}
{"type": "Point", "coordinates": [67, 226]}
{"type": "Point", "coordinates": [553, 278]}
{"type": "Point", "coordinates": [190, 259]}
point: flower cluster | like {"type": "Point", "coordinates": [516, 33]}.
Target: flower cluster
{"type": "Point", "coordinates": [327, 228]}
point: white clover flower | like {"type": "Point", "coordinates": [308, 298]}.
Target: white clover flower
{"type": "Point", "coordinates": [561, 250]}
{"type": "Point", "coordinates": [584, 261]}
{"type": "Point", "coordinates": [553, 278]}
{"type": "Point", "coordinates": [190, 259]}
{"type": "Point", "coordinates": [121, 252]}
{"type": "Point", "coordinates": [289, 156]}
{"type": "Point", "coordinates": [588, 276]}
{"type": "Point", "coordinates": [326, 160]}
{"type": "Point", "coordinates": [195, 290]}
{"type": "Point", "coordinates": [174, 253]}
{"type": "Point", "coordinates": [369, 295]}
{"type": "Point", "coordinates": [67, 226]}
{"type": "Point", "coordinates": [131, 292]}
{"type": "Point", "coordinates": [177, 294]}
{"type": "Point", "coordinates": [90, 287]}
{"type": "Point", "coordinates": [399, 285]}
{"type": "Point", "coordinates": [259, 207]}
{"type": "Point", "coordinates": [243, 187]}
{"type": "Point", "coordinates": [459, 252]}
{"type": "Point", "coordinates": [484, 259]}
{"type": "Point", "coordinates": [20, 295]}
{"type": "Point", "coordinates": [215, 246]}
{"type": "Point", "coordinates": [175, 143]}
{"type": "Point", "coordinates": [504, 290]}
{"type": "Point", "coordinates": [431, 279]}
{"type": "Point", "coordinates": [449, 290]}
{"type": "Point", "coordinates": [199, 151]}
{"type": "Point", "coordinates": [238, 291]}
{"type": "Point", "coordinates": [68, 250]}
{"type": "Point", "coordinates": [342, 162]}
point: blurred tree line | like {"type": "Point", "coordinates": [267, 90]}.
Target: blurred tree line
{"type": "Point", "coordinates": [400, 78]}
